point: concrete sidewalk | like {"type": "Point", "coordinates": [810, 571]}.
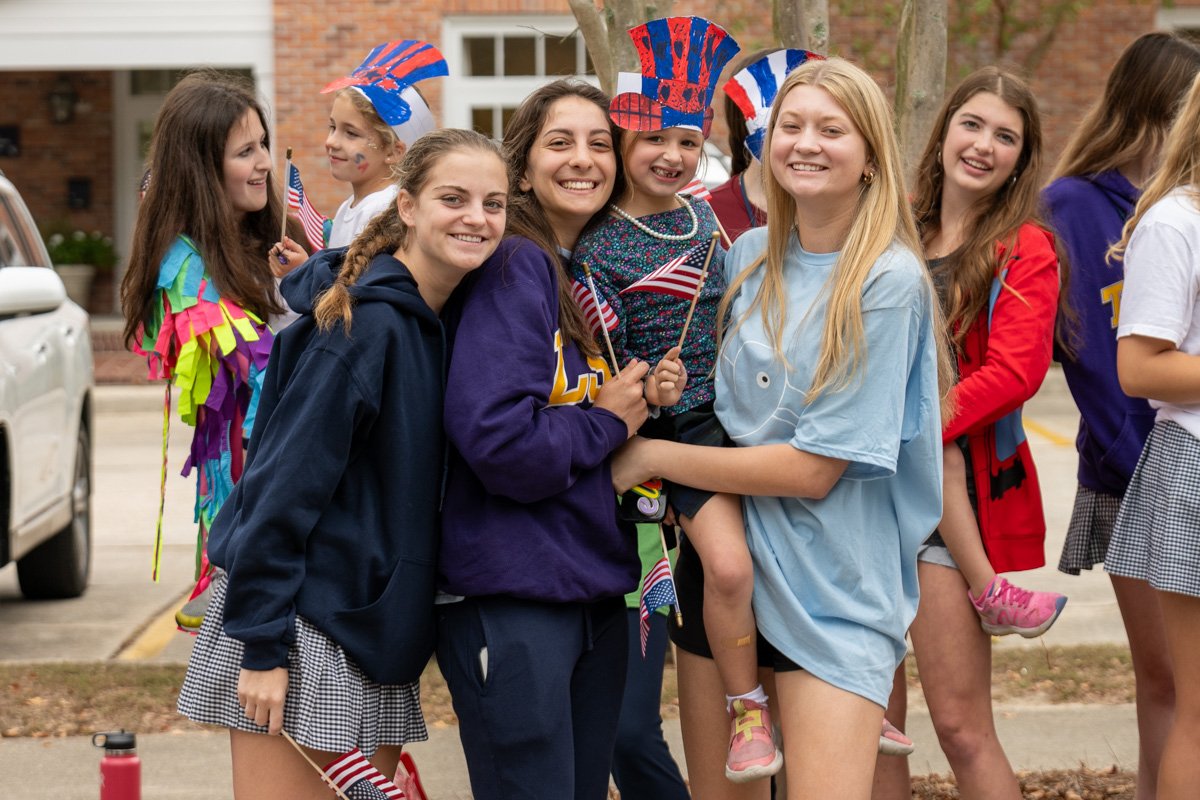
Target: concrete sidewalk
{"type": "Point", "coordinates": [130, 618]}
{"type": "Point", "coordinates": [195, 766]}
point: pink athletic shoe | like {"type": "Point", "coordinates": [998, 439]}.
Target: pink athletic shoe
{"type": "Point", "coordinates": [893, 742]}
{"type": "Point", "coordinates": [1005, 608]}
{"type": "Point", "coordinates": [752, 750]}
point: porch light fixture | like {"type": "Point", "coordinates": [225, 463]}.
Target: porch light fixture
{"type": "Point", "coordinates": [62, 99]}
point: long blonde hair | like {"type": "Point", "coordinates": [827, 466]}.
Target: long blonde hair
{"type": "Point", "coordinates": [1180, 167]}
{"type": "Point", "coordinates": [882, 217]}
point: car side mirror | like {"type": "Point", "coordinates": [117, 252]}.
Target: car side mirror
{"type": "Point", "coordinates": [30, 290]}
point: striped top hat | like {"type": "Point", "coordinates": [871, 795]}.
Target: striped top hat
{"type": "Point", "coordinates": [386, 77]}
{"type": "Point", "coordinates": [753, 90]}
{"type": "Point", "coordinates": [681, 59]}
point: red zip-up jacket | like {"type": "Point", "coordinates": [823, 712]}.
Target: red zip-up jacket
{"type": "Point", "coordinates": [1003, 361]}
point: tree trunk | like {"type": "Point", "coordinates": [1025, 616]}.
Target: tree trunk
{"type": "Point", "coordinates": [920, 73]}
{"type": "Point", "coordinates": [605, 33]}
{"type": "Point", "coordinates": [801, 24]}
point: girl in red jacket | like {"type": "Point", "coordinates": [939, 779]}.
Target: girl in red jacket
{"type": "Point", "coordinates": [997, 276]}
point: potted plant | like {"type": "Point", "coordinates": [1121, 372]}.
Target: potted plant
{"type": "Point", "coordinates": [77, 258]}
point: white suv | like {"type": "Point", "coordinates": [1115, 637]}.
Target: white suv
{"type": "Point", "coordinates": [46, 386]}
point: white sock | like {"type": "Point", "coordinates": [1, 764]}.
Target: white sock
{"type": "Point", "coordinates": [756, 694]}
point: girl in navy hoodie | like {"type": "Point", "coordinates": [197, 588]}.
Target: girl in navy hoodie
{"type": "Point", "coordinates": [1095, 185]}
{"type": "Point", "coordinates": [322, 621]}
{"type": "Point", "coordinates": [533, 564]}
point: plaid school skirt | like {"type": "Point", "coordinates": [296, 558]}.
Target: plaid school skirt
{"type": "Point", "coordinates": [330, 705]}
{"type": "Point", "coordinates": [1156, 537]}
{"type": "Point", "coordinates": [1089, 531]}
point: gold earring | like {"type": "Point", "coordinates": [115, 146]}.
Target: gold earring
{"type": "Point", "coordinates": [868, 177]}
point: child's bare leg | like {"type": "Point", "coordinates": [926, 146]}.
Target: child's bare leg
{"type": "Point", "coordinates": [959, 528]}
{"type": "Point", "coordinates": [719, 536]}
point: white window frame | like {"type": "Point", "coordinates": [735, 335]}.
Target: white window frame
{"type": "Point", "coordinates": [1177, 19]}
{"type": "Point", "coordinates": [461, 93]}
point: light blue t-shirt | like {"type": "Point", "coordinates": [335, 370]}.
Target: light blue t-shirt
{"type": "Point", "coordinates": [835, 580]}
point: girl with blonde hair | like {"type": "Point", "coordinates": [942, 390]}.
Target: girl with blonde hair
{"type": "Point", "coordinates": [1095, 187]}
{"type": "Point", "coordinates": [828, 379]}
{"type": "Point", "coordinates": [1155, 537]}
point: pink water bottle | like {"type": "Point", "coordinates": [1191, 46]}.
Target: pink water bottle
{"type": "Point", "coordinates": [120, 769]}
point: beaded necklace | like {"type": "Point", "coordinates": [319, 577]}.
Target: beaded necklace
{"type": "Point", "coordinates": [646, 229]}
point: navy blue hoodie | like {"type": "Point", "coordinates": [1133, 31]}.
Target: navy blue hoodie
{"type": "Point", "coordinates": [336, 516]}
{"type": "Point", "coordinates": [1087, 214]}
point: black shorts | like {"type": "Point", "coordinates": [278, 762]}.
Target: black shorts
{"type": "Point", "coordinates": [689, 588]}
{"type": "Point", "coordinates": [696, 426]}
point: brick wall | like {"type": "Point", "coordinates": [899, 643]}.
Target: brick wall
{"type": "Point", "coordinates": [51, 153]}
{"type": "Point", "coordinates": [319, 41]}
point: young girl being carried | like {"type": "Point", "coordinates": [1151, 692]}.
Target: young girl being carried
{"type": "Point", "coordinates": [653, 232]}
{"type": "Point", "coordinates": [377, 114]}
{"type": "Point", "coordinates": [1155, 538]}
{"type": "Point", "coordinates": [322, 618]}
{"type": "Point", "coordinates": [199, 298]}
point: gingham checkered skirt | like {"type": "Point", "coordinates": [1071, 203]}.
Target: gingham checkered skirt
{"type": "Point", "coordinates": [1156, 537]}
{"type": "Point", "coordinates": [330, 706]}
{"type": "Point", "coordinates": [1090, 530]}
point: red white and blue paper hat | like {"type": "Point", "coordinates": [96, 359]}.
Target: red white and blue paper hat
{"type": "Point", "coordinates": [753, 90]}
{"type": "Point", "coordinates": [682, 58]}
{"type": "Point", "coordinates": [386, 77]}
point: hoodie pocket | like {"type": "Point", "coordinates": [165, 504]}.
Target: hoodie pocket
{"type": "Point", "coordinates": [393, 637]}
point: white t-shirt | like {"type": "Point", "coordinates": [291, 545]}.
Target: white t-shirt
{"type": "Point", "coordinates": [351, 219]}
{"type": "Point", "coordinates": [1162, 285]}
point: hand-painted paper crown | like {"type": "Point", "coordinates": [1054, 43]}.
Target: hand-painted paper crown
{"type": "Point", "coordinates": [386, 77]}
{"type": "Point", "coordinates": [753, 90]}
{"type": "Point", "coordinates": [682, 57]}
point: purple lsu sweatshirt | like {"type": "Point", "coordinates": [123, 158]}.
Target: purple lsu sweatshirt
{"type": "Point", "coordinates": [1086, 214]}
{"type": "Point", "coordinates": [529, 510]}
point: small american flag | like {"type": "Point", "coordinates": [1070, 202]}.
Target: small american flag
{"type": "Point", "coordinates": [312, 220]}
{"type": "Point", "coordinates": [658, 590]}
{"type": "Point", "coordinates": [698, 190]}
{"type": "Point", "coordinates": [680, 276]}
{"type": "Point", "coordinates": [587, 302]}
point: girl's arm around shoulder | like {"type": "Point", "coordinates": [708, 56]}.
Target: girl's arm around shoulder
{"type": "Point", "coordinates": [518, 398]}
{"type": "Point", "coordinates": [1020, 335]}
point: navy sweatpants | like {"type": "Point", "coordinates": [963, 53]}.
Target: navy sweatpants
{"type": "Point", "coordinates": [537, 689]}
{"type": "Point", "coordinates": [643, 767]}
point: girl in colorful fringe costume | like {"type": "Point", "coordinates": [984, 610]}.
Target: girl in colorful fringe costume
{"type": "Point", "coordinates": [655, 236]}
{"type": "Point", "coordinates": [199, 295]}
{"type": "Point", "coordinates": [376, 115]}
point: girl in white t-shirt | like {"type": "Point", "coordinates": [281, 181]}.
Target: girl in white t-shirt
{"type": "Point", "coordinates": [1156, 537]}
{"type": "Point", "coordinates": [377, 114]}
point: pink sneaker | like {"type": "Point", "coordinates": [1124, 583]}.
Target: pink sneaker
{"type": "Point", "coordinates": [752, 750]}
{"type": "Point", "coordinates": [1005, 608]}
{"type": "Point", "coordinates": [893, 742]}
